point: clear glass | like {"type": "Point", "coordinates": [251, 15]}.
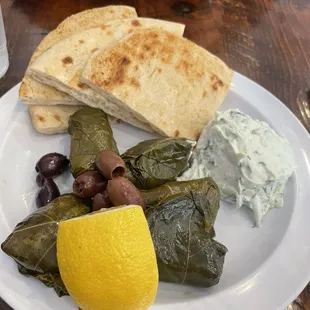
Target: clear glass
{"type": "Point", "coordinates": [4, 57]}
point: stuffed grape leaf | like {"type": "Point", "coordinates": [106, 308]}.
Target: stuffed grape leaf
{"type": "Point", "coordinates": [32, 244]}
{"type": "Point", "coordinates": [50, 279]}
{"type": "Point", "coordinates": [181, 221]}
{"type": "Point", "coordinates": [152, 163]}
{"type": "Point", "coordinates": [90, 133]}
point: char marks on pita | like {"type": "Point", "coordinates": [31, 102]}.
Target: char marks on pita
{"type": "Point", "coordinates": [169, 82]}
{"type": "Point", "coordinates": [35, 93]}
{"type": "Point", "coordinates": [50, 69]}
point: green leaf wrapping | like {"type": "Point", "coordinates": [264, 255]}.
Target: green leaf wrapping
{"type": "Point", "coordinates": [90, 133]}
{"type": "Point", "coordinates": [32, 244]}
{"type": "Point", "coordinates": [50, 279]}
{"type": "Point", "coordinates": [181, 224]}
{"type": "Point", "coordinates": [152, 163]}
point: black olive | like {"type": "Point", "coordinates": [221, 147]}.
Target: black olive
{"type": "Point", "coordinates": [52, 164]}
{"type": "Point", "coordinates": [40, 179]}
{"type": "Point", "coordinates": [110, 165]}
{"type": "Point", "coordinates": [89, 184]}
{"type": "Point", "coordinates": [48, 192]}
{"type": "Point", "coordinates": [122, 192]}
{"type": "Point", "coordinates": [101, 200]}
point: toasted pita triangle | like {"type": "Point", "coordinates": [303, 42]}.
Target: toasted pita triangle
{"type": "Point", "coordinates": [33, 92]}
{"type": "Point", "coordinates": [61, 66]}
{"type": "Point", "coordinates": [38, 95]}
{"type": "Point", "coordinates": [167, 81]}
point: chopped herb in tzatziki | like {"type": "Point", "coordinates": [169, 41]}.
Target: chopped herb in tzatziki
{"type": "Point", "coordinates": [249, 161]}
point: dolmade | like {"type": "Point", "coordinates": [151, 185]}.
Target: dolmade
{"type": "Point", "coordinates": [90, 133]}
{"type": "Point", "coordinates": [152, 163]}
{"type": "Point", "coordinates": [32, 244]}
{"type": "Point", "coordinates": [50, 279]}
{"type": "Point", "coordinates": [182, 228]}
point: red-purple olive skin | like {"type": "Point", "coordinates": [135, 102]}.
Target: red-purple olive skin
{"type": "Point", "coordinates": [48, 192]}
{"type": "Point", "coordinates": [52, 164]}
{"type": "Point", "coordinates": [40, 179]}
{"type": "Point", "coordinates": [123, 192]}
{"type": "Point", "coordinates": [110, 165]}
{"type": "Point", "coordinates": [101, 200]}
{"type": "Point", "coordinates": [88, 184]}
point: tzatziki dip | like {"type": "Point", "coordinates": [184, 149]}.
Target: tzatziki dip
{"type": "Point", "coordinates": [248, 160]}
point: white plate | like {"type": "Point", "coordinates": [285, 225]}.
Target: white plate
{"type": "Point", "coordinates": [265, 268]}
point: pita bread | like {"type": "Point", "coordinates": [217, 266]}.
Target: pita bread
{"type": "Point", "coordinates": [178, 85]}
{"type": "Point", "coordinates": [61, 66]}
{"type": "Point", "coordinates": [54, 119]}
{"type": "Point", "coordinates": [33, 92]}
{"type": "Point", "coordinates": [40, 95]}
{"type": "Point", "coordinates": [51, 119]}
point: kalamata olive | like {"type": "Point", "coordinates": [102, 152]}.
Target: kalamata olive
{"type": "Point", "coordinates": [101, 200]}
{"type": "Point", "coordinates": [123, 192]}
{"type": "Point", "coordinates": [52, 164]}
{"type": "Point", "coordinates": [110, 165]}
{"type": "Point", "coordinates": [88, 184]}
{"type": "Point", "coordinates": [48, 192]}
{"type": "Point", "coordinates": [40, 179]}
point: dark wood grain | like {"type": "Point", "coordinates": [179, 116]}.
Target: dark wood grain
{"type": "Point", "coordinates": [268, 41]}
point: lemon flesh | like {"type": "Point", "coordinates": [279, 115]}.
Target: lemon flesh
{"type": "Point", "coordinates": [107, 260]}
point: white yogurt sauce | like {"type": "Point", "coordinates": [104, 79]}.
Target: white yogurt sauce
{"type": "Point", "coordinates": [248, 160]}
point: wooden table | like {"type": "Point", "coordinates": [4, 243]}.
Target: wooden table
{"type": "Point", "coordinates": [267, 41]}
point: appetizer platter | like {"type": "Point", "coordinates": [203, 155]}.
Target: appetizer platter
{"type": "Point", "coordinates": [139, 171]}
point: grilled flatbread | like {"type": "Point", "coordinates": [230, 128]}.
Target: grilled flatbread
{"type": "Point", "coordinates": [167, 81]}
{"type": "Point", "coordinates": [54, 119]}
{"type": "Point", "coordinates": [38, 95]}
{"type": "Point", "coordinates": [33, 92]}
{"type": "Point", "coordinates": [51, 119]}
{"type": "Point", "coordinates": [61, 66]}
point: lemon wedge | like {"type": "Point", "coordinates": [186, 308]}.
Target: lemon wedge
{"type": "Point", "coordinates": [107, 260]}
